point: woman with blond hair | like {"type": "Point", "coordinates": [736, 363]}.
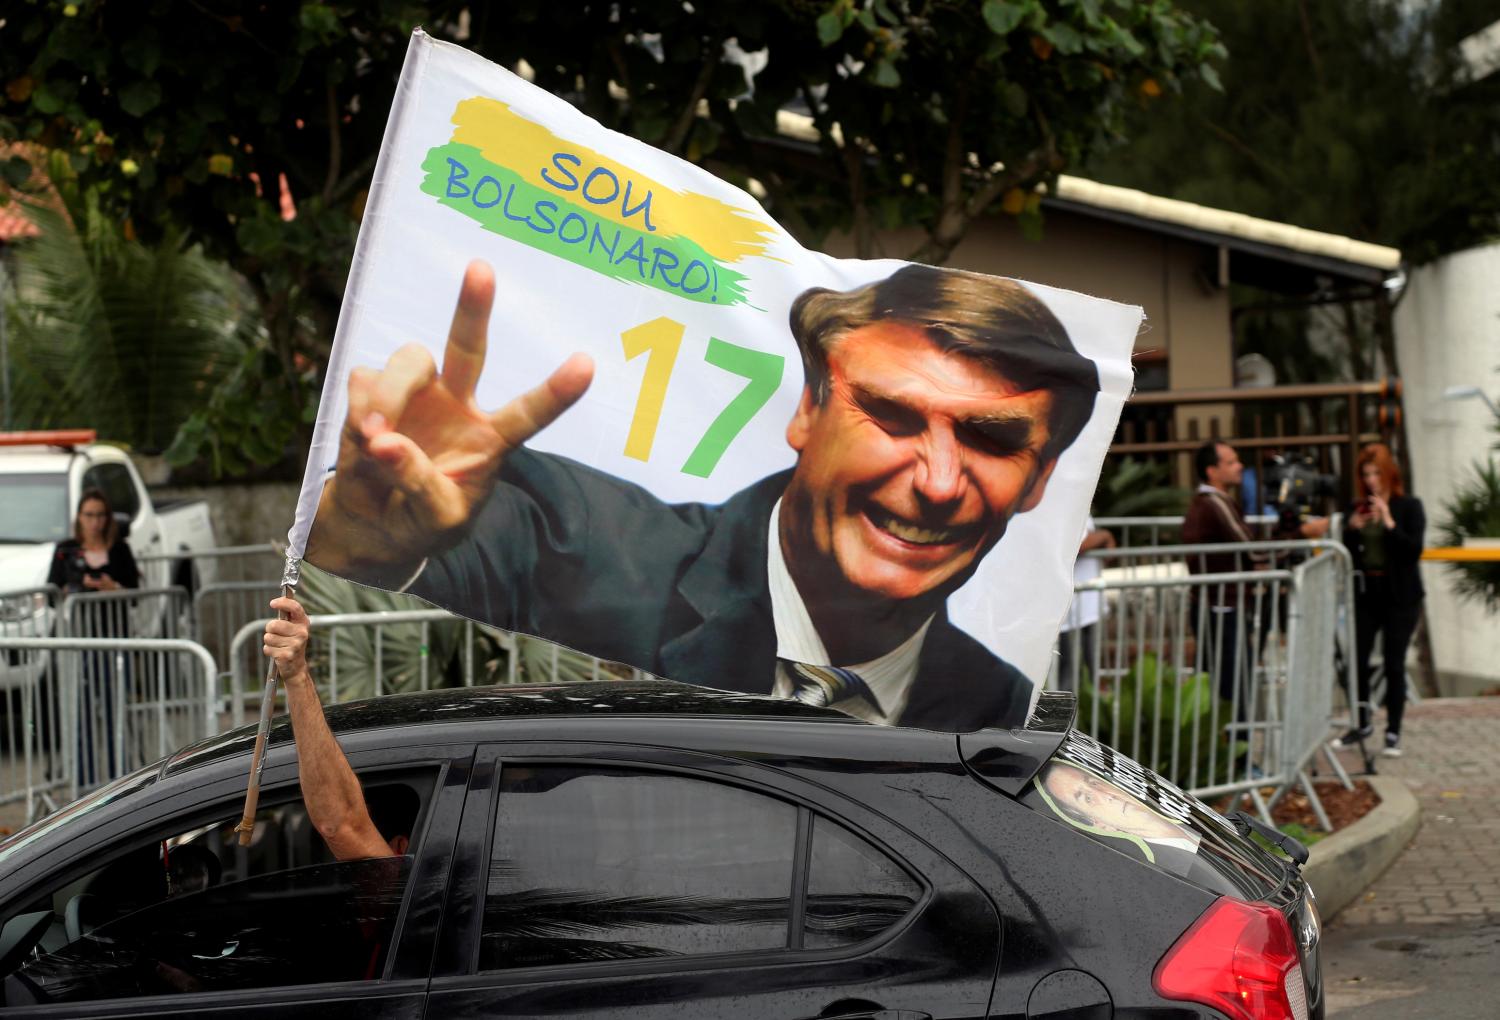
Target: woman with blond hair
{"type": "Point", "coordinates": [1384, 535]}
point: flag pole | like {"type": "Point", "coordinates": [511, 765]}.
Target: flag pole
{"type": "Point", "coordinates": [258, 759]}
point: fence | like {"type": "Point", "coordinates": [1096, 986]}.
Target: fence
{"type": "Point", "coordinates": [1166, 530]}
{"type": "Point", "coordinates": [109, 708]}
{"type": "Point", "coordinates": [1328, 421]}
{"type": "Point", "coordinates": [195, 570]}
{"type": "Point", "coordinates": [1223, 682]}
{"type": "Point", "coordinates": [1148, 683]}
{"type": "Point", "coordinates": [222, 609]}
{"type": "Point", "coordinates": [127, 612]}
{"type": "Point", "coordinates": [405, 660]}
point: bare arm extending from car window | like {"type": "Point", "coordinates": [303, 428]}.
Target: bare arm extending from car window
{"type": "Point", "coordinates": [332, 793]}
{"type": "Point", "coordinates": [417, 457]}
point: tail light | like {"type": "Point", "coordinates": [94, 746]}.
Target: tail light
{"type": "Point", "coordinates": [1240, 958]}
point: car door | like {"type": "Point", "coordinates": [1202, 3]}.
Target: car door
{"type": "Point", "coordinates": [593, 881]}
{"type": "Point", "coordinates": [174, 917]}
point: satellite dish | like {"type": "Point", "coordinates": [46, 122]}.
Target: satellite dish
{"type": "Point", "coordinates": [1253, 371]}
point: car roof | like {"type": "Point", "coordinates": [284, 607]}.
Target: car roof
{"type": "Point", "coordinates": [591, 699]}
{"type": "Point", "coordinates": [40, 460]}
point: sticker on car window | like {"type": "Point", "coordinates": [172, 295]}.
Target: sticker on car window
{"type": "Point", "coordinates": [1090, 802]}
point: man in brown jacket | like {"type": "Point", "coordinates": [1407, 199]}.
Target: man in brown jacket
{"type": "Point", "coordinates": [1213, 516]}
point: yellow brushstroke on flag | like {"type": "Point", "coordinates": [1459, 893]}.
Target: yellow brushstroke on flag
{"type": "Point", "coordinates": [526, 147]}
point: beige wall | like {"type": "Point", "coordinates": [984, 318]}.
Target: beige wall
{"type": "Point", "coordinates": [1186, 316]}
{"type": "Point", "coordinates": [1445, 336]}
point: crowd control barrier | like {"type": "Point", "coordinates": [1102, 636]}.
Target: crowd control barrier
{"type": "Point", "coordinates": [361, 644]}
{"type": "Point", "coordinates": [1223, 682]}
{"type": "Point", "coordinates": [1148, 531]}
{"type": "Point", "coordinates": [102, 708]}
{"type": "Point", "coordinates": [195, 570]}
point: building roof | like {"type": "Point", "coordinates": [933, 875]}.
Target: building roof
{"type": "Point", "coordinates": [1230, 226]}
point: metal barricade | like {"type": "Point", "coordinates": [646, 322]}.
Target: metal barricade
{"type": "Point", "coordinates": [246, 664]}
{"type": "Point", "coordinates": [25, 612]}
{"type": "Point", "coordinates": [106, 707]}
{"type": "Point", "coordinates": [1147, 531]}
{"type": "Point", "coordinates": [1223, 682]}
{"type": "Point", "coordinates": [1180, 687]}
{"type": "Point", "coordinates": [223, 608]}
{"type": "Point", "coordinates": [196, 570]}
{"type": "Point", "coordinates": [366, 653]}
{"type": "Point", "coordinates": [28, 769]}
{"type": "Point", "coordinates": [1311, 647]}
{"type": "Point", "coordinates": [127, 612]}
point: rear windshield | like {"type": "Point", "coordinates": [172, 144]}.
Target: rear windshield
{"type": "Point", "coordinates": [1115, 800]}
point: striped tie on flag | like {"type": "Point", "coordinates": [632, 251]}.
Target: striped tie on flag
{"type": "Point", "coordinates": [826, 686]}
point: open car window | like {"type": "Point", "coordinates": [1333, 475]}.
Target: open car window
{"type": "Point", "coordinates": [190, 910]}
{"type": "Point", "coordinates": [324, 922]}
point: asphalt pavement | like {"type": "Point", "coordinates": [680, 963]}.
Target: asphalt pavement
{"type": "Point", "coordinates": [1424, 940]}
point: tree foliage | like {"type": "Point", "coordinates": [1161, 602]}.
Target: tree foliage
{"type": "Point", "coordinates": [1368, 126]}
{"type": "Point", "coordinates": [116, 335]}
{"type": "Point", "coordinates": [189, 113]}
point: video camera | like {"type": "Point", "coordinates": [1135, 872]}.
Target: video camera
{"type": "Point", "coordinates": [1293, 487]}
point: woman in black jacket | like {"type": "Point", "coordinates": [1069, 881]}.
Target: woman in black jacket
{"type": "Point", "coordinates": [95, 558]}
{"type": "Point", "coordinates": [1384, 535]}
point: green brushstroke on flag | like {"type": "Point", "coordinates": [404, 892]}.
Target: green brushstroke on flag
{"type": "Point", "coordinates": [500, 201]}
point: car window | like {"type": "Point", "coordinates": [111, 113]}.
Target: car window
{"type": "Point", "coordinates": [35, 509]}
{"type": "Point", "coordinates": [79, 813]}
{"type": "Point", "coordinates": [592, 864]}
{"type": "Point", "coordinates": [118, 487]}
{"type": "Point", "coordinates": [854, 891]}
{"type": "Point", "coordinates": [195, 911]}
{"type": "Point", "coordinates": [323, 922]}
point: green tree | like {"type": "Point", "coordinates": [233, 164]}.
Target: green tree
{"type": "Point", "coordinates": [931, 112]}
{"type": "Point", "coordinates": [1369, 126]}
{"type": "Point", "coordinates": [118, 335]}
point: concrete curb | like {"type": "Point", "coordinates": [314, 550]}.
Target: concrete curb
{"type": "Point", "coordinates": [1341, 867]}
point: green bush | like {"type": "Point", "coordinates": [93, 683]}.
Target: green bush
{"type": "Point", "coordinates": [1474, 512]}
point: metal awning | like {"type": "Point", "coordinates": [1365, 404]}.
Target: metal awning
{"type": "Point", "coordinates": [1260, 250]}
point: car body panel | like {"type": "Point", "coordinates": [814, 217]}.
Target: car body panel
{"type": "Point", "coordinates": [1021, 911]}
{"type": "Point", "coordinates": [940, 961]}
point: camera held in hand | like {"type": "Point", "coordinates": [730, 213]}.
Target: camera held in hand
{"type": "Point", "coordinates": [1293, 488]}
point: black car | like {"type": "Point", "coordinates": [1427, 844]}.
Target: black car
{"type": "Point", "coordinates": [659, 851]}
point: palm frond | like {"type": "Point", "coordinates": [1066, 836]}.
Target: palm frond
{"type": "Point", "coordinates": [402, 645]}
{"type": "Point", "coordinates": [1138, 488]}
{"type": "Point", "coordinates": [116, 335]}
{"type": "Point", "coordinates": [1474, 512]}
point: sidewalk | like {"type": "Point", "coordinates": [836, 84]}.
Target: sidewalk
{"type": "Point", "coordinates": [1451, 871]}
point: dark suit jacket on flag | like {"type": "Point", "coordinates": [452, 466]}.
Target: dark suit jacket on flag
{"type": "Point", "coordinates": [601, 565]}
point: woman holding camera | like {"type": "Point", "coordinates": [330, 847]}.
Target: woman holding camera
{"type": "Point", "coordinates": [1384, 535]}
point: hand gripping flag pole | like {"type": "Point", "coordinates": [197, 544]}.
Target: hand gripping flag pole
{"type": "Point", "coordinates": [267, 709]}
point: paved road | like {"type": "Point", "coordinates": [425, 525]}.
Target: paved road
{"type": "Point", "coordinates": [1424, 941]}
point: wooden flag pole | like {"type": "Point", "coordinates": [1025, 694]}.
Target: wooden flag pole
{"type": "Point", "coordinates": [258, 759]}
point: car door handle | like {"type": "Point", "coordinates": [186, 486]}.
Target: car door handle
{"type": "Point", "coordinates": [878, 1014]}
